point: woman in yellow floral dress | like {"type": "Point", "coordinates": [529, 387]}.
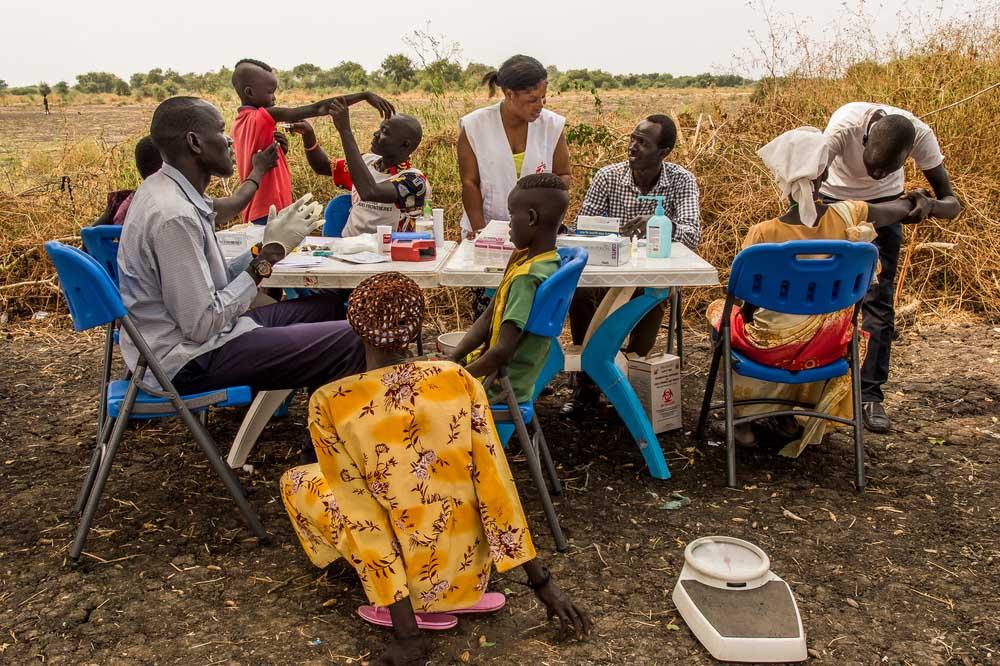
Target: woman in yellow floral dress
{"type": "Point", "coordinates": [412, 486]}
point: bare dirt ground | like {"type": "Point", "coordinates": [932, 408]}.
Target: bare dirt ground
{"type": "Point", "coordinates": [905, 573]}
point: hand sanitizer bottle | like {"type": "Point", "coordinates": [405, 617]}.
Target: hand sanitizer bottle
{"type": "Point", "coordinates": [659, 231]}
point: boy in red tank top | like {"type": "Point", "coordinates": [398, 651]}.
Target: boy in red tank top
{"type": "Point", "coordinates": [255, 128]}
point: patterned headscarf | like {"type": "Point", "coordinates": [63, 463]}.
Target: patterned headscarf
{"type": "Point", "coordinates": [386, 311]}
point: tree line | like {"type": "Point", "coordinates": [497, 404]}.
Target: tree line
{"type": "Point", "coordinates": [397, 73]}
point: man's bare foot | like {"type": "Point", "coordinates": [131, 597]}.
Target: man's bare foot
{"type": "Point", "coordinates": [413, 651]}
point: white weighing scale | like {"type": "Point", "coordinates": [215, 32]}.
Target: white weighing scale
{"type": "Point", "coordinates": [735, 605]}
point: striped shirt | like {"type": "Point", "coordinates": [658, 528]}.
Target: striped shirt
{"type": "Point", "coordinates": [613, 193]}
{"type": "Point", "coordinates": [177, 287]}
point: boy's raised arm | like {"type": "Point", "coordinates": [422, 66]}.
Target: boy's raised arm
{"type": "Point", "coordinates": [284, 114]}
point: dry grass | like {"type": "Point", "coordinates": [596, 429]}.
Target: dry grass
{"type": "Point", "coordinates": [720, 132]}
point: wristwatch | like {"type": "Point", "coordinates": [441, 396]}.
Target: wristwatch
{"type": "Point", "coordinates": [262, 267]}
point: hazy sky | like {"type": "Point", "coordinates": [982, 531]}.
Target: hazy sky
{"type": "Point", "coordinates": [57, 39]}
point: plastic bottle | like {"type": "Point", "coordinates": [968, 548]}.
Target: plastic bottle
{"type": "Point", "coordinates": [426, 220]}
{"type": "Point", "coordinates": [438, 215]}
{"type": "Point", "coordinates": [659, 230]}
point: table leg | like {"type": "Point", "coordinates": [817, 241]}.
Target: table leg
{"type": "Point", "coordinates": [598, 361]}
{"type": "Point", "coordinates": [261, 410]}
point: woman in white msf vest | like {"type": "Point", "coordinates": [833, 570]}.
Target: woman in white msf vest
{"type": "Point", "coordinates": [499, 144]}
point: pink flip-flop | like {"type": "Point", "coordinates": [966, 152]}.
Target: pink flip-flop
{"type": "Point", "coordinates": [490, 602]}
{"type": "Point", "coordinates": [380, 616]}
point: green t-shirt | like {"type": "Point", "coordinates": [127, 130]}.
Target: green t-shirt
{"type": "Point", "coordinates": [533, 350]}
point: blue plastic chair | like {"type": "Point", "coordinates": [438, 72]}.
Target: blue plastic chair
{"type": "Point", "coordinates": [101, 243]}
{"type": "Point", "coordinates": [336, 214]}
{"type": "Point", "coordinates": [803, 278]}
{"type": "Point", "coordinates": [548, 314]}
{"type": "Point", "coordinates": [94, 301]}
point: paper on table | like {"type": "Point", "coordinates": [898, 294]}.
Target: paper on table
{"type": "Point", "coordinates": [301, 260]}
{"type": "Point", "coordinates": [350, 245]}
{"type": "Point", "coordinates": [362, 258]}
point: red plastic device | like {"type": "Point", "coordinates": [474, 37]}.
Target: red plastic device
{"type": "Point", "coordinates": [413, 250]}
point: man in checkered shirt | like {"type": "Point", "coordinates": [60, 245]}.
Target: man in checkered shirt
{"type": "Point", "coordinates": [614, 192]}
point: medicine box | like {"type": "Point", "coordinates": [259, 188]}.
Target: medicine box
{"type": "Point", "coordinates": [492, 247]}
{"type": "Point", "coordinates": [239, 238]}
{"type": "Point", "coordinates": [656, 381]}
{"type": "Point", "coordinates": [597, 225]}
{"type": "Point", "coordinates": [602, 250]}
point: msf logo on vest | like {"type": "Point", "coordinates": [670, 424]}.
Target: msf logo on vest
{"type": "Point", "coordinates": [541, 168]}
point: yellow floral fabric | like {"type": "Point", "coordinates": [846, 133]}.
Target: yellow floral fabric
{"type": "Point", "coordinates": [412, 486]}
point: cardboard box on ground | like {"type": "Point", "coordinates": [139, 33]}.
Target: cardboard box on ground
{"type": "Point", "coordinates": [656, 381]}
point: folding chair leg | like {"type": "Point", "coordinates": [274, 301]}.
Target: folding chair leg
{"type": "Point", "coordinates": [706, 403]}
{"type": "Point", "coordinates": [105, 469]}
{"type": "Point", "coordinates": [547, 458]}
{"type": "Point", "coordinates": [102, 406]}
{"type": "Point", "coordinates": [727, 382]}
{"type": "Point", "coordinates": [103, 425]}
{"type": "Point", "coordinates": [224, 471]}
{"type": "Point", "coordinates": [95, 462]}
{"type": "Point", "coordinates": [535, 467]}
{"type": "Point", "coordinates": [859, 428]}
{"type": "Point", "coordinates": [204, 440]}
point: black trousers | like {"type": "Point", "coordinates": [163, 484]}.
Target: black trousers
{"type": "Point", "coordinates": [878, 314]}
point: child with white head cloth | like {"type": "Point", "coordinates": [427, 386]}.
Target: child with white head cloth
{"type": "Point", "coordinates": [798, 160]}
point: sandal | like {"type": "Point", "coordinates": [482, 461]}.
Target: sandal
{"type": "Point", "coordinates": [490, 602]}
{"type": "Point", "coordinates": [379, 615]}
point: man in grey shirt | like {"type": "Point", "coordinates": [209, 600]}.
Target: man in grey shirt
{"type": "Point", "coordinates": [190, 305]}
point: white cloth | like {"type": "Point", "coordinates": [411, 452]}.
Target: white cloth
{"type": "Point", "coordinates": [366, 216]}
{"type": "Point", "coordinates": [796, 159]}
{"type": "Point", "coordinates": [848, 179]}
{"type": "Point", "coordinates": [484, 129]}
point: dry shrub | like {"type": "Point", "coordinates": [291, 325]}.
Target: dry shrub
{"type": "Point", "coordinates": [719, 135]}
{"type": "Point", "coordinates": [929, 74]}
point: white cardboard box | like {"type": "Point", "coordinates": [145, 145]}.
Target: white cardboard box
{"type": "Point", "coordinates": [602, 250]}
{"type": "Point", "coordinates": [596, 225]}
{"type": "Point", "coordinates": [239, 238]}
{"type": "Point", "coordinates": [492, 247]}
{"type": "Point", "coordinates": [656, 380]}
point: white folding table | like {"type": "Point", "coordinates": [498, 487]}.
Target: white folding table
{"type": "Point", "coordinates": [616, 316]}
{"type": "Point", "coordinates": [332, 274]}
